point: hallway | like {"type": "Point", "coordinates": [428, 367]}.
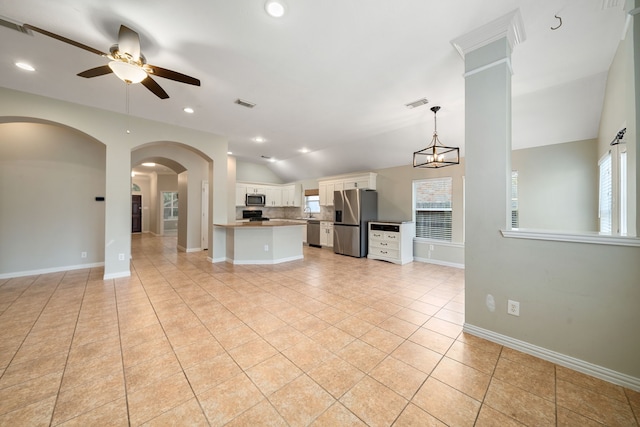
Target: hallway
{"type": "Point", "coordinates": [327, 341]}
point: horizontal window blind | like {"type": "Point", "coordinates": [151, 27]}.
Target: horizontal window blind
{"type": "Point", "coordinates": [605, 196]}
{"type": "Point", "coordinates": [433, 225]}
{"type": "Point", "coordinates": [515, 220]}
{"type": "Point", "coordinates": [432, 207]}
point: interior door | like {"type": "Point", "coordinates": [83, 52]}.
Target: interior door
{"type": "Point", "coordinates": [136, 213]}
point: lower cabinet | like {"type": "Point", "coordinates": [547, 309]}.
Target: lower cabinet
{"type": "Point", "coordinates": [326, 234]}
{"type": "Point", "coordinates": [391, 241]}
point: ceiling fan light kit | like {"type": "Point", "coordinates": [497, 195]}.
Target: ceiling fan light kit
{"type": "Point", "coordinates": [126, 62]}
{"type": "Point", "coordinates": [436, 155]}
{"type": "Point", "coordinates": [127, 72]}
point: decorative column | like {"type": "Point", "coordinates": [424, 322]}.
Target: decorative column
{"type": "Point", "coordinates": [117, 238]}
{"type": "Point", "coordinates": [487, 55]}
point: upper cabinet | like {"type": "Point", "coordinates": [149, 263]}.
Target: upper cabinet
{"type": "Point", "coordinates": [241, 192]}
{"type": "Point", "coordinates": [291, 197]}
{"type": "Point", "coordinates": [276, 195]}
{"type": "Point", "coordinates": [327, 187]}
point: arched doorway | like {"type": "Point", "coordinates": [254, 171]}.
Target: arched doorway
{"type": "Point", "coordinates": [180, 185]}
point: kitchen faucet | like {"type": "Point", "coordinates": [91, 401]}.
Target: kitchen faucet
{"type": "Point", "coordinates": [307, 211]}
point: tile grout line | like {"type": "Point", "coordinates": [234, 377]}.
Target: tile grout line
{"type": "Point", "coordinates": [66, 363]}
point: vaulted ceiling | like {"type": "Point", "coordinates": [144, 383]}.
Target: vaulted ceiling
{"type": "Point", "coordinates": [331, 77]}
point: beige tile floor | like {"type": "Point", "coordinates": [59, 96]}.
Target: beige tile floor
{"type": "Point", "coordinates": [328, 341]}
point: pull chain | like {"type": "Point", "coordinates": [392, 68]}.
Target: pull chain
{"type": "Point", "coordinates": [127, 109]}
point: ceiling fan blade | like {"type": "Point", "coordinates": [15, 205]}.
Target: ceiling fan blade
{"type": "Point", "coordinates": [173, 75]}
{"type": "Point", "coordinates": [154, 87]}
{"type": "Point", "coordinates": [95, 72]}
{"type": "Point", "coordinates": [64, 39]}
{"type": "Point", "coordinates": [129, 42]}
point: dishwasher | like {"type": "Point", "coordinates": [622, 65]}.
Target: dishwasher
{"type": "Point", "coordinates": [313, 232]}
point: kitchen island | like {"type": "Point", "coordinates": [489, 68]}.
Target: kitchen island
{"type": "Point", "coordinates": [263, 242]}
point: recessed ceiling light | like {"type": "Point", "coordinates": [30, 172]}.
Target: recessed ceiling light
{"type": "Point", "coordinates": [275, 8]}
{"type": "Point", "coordinates": [229, 152]}
{"type": "Point", "coordinates": [25, 66]}
{"type": "Point", "coordinates": [133, 174]}
{"type": "Point", "coordinates": [304, 150]}
{"type": "Point", "coordinates": [259, 139]}
{"type": "Point", "coordinates": [188, 110]}
{"type": "Point", "coordinates": [149, 164]}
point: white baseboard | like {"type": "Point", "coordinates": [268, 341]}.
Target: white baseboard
{"type": "Point", "coordinates": [265, 261]}
{"type": "Point", "coordinates": [438, 262]}
{"type": "Point", "coordinates": [116, 275]}
{"type": "Point", "coordinates": [188, 250]}
{"type": "Point", "coordinates": [557, 358]}
{"type": "Point", "coordinates": [50, 270]}
{"type": "Point", "coordinates": [214, 260]}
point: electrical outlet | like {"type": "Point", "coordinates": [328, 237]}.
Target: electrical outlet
{"type": "Point", "coordinates": [266, 248]}
{"type": "Point", "coordinates": [513, 308]}
{"type": "Point", "coordinates": [120, 257]}
{"type": "Point", "coordinates": [83, 255]}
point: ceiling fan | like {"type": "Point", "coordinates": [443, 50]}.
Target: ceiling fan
{"type": "Point", "coordinates": [126, 62]}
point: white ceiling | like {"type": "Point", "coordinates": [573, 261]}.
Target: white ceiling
{"type": "Point", "coordinates": [332, 76]}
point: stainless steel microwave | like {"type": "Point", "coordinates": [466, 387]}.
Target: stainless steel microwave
{"type": "Point", "coordinates": [255, 200]}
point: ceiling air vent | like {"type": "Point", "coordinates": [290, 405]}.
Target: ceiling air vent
{"type": "Point", "coordinates": [418, 103]}
{"type": "Point", "coordinates": [245, 103]}
{"type": "Point", "coordinates": [12, 25]}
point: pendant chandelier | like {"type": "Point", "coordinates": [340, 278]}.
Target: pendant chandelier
{"type": "Point", "coordinates": [436, 155]}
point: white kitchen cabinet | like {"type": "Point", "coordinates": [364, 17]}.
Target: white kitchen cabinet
{"type": "Point", "coordinates": [326, 190]}
{"type": "Point", "coordinates": [276, 195]}
{"type": "Point", "coordinates": [327, 187]}
{"type": "Point", "coordinates": [391, 241]}
{"type": "Point", "coordinates": [366, 181]}
{"type": "Point", "coordinates": [273, 197]}
{"type": "Point", "coordinates": [326, 234]}
{"type": "Point", "coordinates": [290, 196]}
{"type": "Point", "coordinates": [322, 192]}
{"type": "Point", "coordinates": [255, 189]}
{"type": "Point", "coordinates": [241, 192]}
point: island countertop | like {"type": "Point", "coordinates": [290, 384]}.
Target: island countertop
{"type": "Point", "coordinates": [260, 224]}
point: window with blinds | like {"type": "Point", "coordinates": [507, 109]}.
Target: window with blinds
{"type": "Point", "coordinates": [432, 208]}
{"type": "Point", "coordinates": [605, 195]}
{"type": "Point", "coordinates": [515, 220]}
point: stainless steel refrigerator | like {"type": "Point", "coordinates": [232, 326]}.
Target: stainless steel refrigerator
{"type": "Point", "coordinates": [354, 208]}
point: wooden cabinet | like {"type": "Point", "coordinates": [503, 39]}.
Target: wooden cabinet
{"type": "Point", "coordinates": [327, 187]}
{"type": "Point", "coordinates": [391, 241]}
{"type": "Point", "coordinates": [326, 234]}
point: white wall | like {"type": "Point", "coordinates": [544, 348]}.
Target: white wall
{"type": "Point", "coordinates": [558, 186]}
{"type": "Point", "coordinates": [578, 301]}
{"type": "Point", "coordinates": [107, 127]}
{"type": "Point", "coordinates": [49, 178]}
{"type": "Point", "coordinates": [251, 172]}
{"type": "Point", "coordinates": [619, 111]}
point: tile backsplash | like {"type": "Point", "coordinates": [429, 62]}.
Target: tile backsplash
{"type": "Point", "coordinates": [326, 212]}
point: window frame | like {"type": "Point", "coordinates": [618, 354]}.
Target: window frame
{"type": "Point", "coordinates": [441, 214]}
